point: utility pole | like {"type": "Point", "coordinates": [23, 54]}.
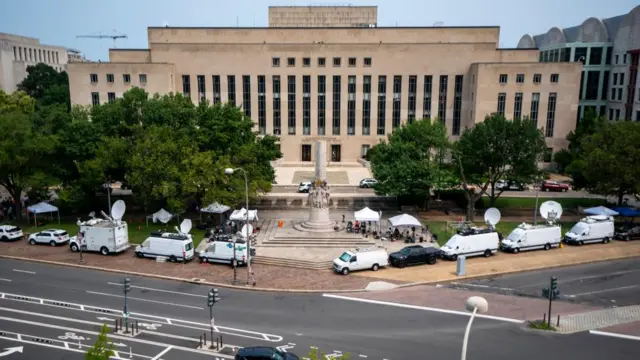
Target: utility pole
{"type": "Point", "coordinates": [212, 299]}
{"type": "Point", "coordinates": [127, 288]}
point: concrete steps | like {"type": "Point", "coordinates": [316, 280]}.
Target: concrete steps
{"type": "Point", "coordinates": [300, 264]}
{"type": "Point", "coordinates": [317, 243]}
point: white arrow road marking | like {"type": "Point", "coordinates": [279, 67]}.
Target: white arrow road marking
{"type": "Point", "coordinates": [24, 271]}
{"type": "Point", "coordinates": [118, 344]}
{"type": "Point", "coordinates": [11, 350]}
{"type": "Point", "coordinates": [105, 319]}
{"type": "Point", "coordinates": [150, 326]}
{"type": "Point", "coordinates": [286, 347]}
{"type": "Point", "coordinates": [162, 353]}
{"type": "Point", "coordinates": [71, 336]}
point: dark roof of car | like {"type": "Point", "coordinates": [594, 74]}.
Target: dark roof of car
{"type": "Point", "coordinates": [255, 350]}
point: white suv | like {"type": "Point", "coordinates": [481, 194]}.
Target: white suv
{"type": "Point", "coordinates": [368, 183]}
{"type": "Point", "coordinates": [304, 187]}
{"type": "Point", "coordinates": [10, 232]}
{"type": "Point", "coordinates": [52, 237]}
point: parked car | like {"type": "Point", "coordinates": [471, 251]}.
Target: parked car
{"type": "Point", "coordinates": [414, 255]}
{"type": "Point", "coordinates": [304, 187]}
{"type": "Point", "coordinates": [512, 185]}
{"type": "Point", "coordinates": [368, 183]}
{"type": "Point", "coordinates": [628, 232]}
{"type": "Point", "coordinates": [264, 353]}
{"type": "Point", "coordinates": [549, 185]}
{"type": "Point", "coordinates": [10, 232]}
{"type": "Point", "coordinates": [360, 259]}
{"type": "Point", "coordinates": [52, 237]}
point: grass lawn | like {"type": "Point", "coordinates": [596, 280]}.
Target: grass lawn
{"type": "Point", "coordinates": [440, 229]}
{"type": "Point", "coordinates": [530, 202]}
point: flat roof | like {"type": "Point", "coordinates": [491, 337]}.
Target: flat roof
{"type": "Point", "coordinates": [318, 28]}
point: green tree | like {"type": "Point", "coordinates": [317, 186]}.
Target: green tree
{"type": "Point", "coordinates": [497, 149]}
{"type": "Point", "coordinates": [316, 354]}
{"type": "Point", "coordinates": [46, 85]}
{"type": "Point", "coordinates": [611, 158]}
{"type": "Point", "coordinates": [102, 349]}
{"type": "Point", "coordinates": [407, 163]}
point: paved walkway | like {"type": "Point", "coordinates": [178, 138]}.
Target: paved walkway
{"type": "Point", "coordinates": [598, 319]}
{"type": "Point", "coordinates": [349, 173]}
{"type": "Point", "coordinates": [632, 329]}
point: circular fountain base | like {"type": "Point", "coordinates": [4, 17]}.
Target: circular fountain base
{"type": "Point", "coordinates": [319, 222]}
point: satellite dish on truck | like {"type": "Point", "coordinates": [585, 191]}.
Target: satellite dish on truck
{"type": "Point", "coordinates": [492, 217]}
{"type": "Point", "coordinates": [551, 211]}
{"type": "Point", "coordinates": [185, 227]}
{"type": "Point", "coordinates": [117, 210]}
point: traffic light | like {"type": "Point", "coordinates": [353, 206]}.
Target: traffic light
{"type": "Point", "coordinates": [212, 297]}
{"type": "Point", "coordinates": [554, 284]}
{"type": "Point", "coordinates": [127, 285]}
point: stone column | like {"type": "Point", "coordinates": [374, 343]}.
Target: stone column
{"type": "Point", "coordinates": [321, 160]}
{"type": "Point", "coordinates": [319, 220]}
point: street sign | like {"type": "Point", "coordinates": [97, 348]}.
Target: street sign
{"type": "Point", "coordinates": [11, 350]}
{"type": "Point", "coordinates": [213, 325]}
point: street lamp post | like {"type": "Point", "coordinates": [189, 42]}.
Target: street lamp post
{"type": "Point", "coordinates": [535, 209]}
{"type": "Point", "coordinates": [230, 171]}
{"type": "Point", "coordinates": [474, 304]}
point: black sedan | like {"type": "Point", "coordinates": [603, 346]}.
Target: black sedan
{"type": "Point", "coordinates": [628, 232]}
{"type": "Point", "coordinates": [414, 255]}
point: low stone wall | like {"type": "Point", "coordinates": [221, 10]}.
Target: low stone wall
{"type": "Point", "coordinates": [342, 203]}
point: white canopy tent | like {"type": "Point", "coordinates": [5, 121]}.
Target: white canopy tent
{"type": "Point", "coordinates": [404, 220]}
{"type": "Point", "coordinates": [241, 215]}
{"type": "Point", "coordinates": [245, 231]}
{"type": "Point", "coordinates": [42, 208]}
{"type": "Point", "coordinates": [366, 214]}
{"type": "Point", "coordinates": [161, 215]}
{"type": "Point", "coordinates": [214, 208]}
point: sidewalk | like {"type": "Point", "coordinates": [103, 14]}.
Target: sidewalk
{"type": "Point", "coordinates": [598, 319]}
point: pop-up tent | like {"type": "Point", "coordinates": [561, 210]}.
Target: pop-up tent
{"type": "Point", "coordinates": [42, 208]}
{"type": "Point", "coordinates": [161, 215]}
{"type": "Point", "coordinates": [215, 208]}
{"type": "Point", "coordinates": [366, 214]}
{"type": "Point", "coordinates": [241, 215]}
{"type": "Point", "coordinates": [404, 220]}
{"type": "Point", "coordinates": [600, 210]}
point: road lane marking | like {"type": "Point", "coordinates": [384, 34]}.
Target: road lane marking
{"type": "Point", "coordinates": [24, 271]}
{"type": "Point", "coordinates": [142, 317]}
{"type": "Point", "coordinates": [569, 280]}
{"type": "Point", "coordinates": [615, 335]}
{"type": "Point", "coordinates": [146, 300]}
{"type": "Point", "coordinates": [7, 280]}
{"type": "Point", "coordinates": [604, 291]}
{"type": "Point", "coordinates": [162, 353]}
{"type": "Point", "coordinates": [159, 290]}
{"type": "Point", "coordinates": [481, 286]}
{"type": "Point", "coordinates": [423, 308]}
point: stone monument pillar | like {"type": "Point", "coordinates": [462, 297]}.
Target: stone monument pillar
{"type": "Point", "coordinates": [319, 195]}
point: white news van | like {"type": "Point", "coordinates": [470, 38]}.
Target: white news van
{"type": "Point", "coordinates": [107, 236]}
{"type": "Point", "coordinates": [474, 241]}
{"type": "Point", "coordinates": [174, 246]}
{"type": "Point", "coordinates": [361, 259]}
{"type": "Point", "coordinates": [592, 229]}
{"type": "Point", "coordinates": [527, 237]}
{"type": "Point", "coordinates": [222, 252]}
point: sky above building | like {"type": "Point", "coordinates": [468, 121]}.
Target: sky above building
{"type": "Point", "coordinates": [59, 22]}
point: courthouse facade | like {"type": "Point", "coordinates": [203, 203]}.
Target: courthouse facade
{"type": "Point", "coordinates": [350, 84]}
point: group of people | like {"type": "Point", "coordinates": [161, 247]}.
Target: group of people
{"type": "Point", "coordinates": [409, 236]}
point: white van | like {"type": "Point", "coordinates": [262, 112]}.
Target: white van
{"type": "Point", "coordinates": [105, 236]}
{"type": "Point", "coordinates": [176, 247]}
{"type": "Point", "coordinates": [592, 229]}
{"type": "Point", "coordinates": [471, 242]}
{"type": "Point", "coordinates": [222, 252]}
{"type": "Point", "coordinates": [532, 237]}
{"type": "Point", "coordinates": [361, 259]}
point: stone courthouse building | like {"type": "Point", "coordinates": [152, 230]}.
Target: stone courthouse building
{"type": "Point", "coordinates": [331, 73]}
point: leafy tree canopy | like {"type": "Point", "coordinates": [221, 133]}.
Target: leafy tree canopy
{"type": "Point", "coordinates": [46, 85]}
{"type": "Point", "coordinates": [102, 349]}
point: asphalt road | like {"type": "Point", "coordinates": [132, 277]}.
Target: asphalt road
{"type": "Point", "coordinates": [54, 301]}
{"type": "Point", "coordinates": [614, 283]}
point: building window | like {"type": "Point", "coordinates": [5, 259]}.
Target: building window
{"type": "Point", "coordinates": [110, 78]}
{"type": "Point", "coordinates": [457, 105]}
{"type": "Point", "coordinates": [624, 59]}
{"type": "Point", "coordinates": [413, 85]}
{"type": "Point", "coordinates": [581, 85]}
{"type": "Point", "coordinates": [502, 98]}
{"type": "Point", "coordinates": [580, 54]}
{"type": "Point", "coordinates": [306, 105]}
{"type": "Point", "coordinates": [382, 104]}
{"type": "Point", "coordinates": [306, 62]}
{"type": "Point", "coordinates": [608, 57]}
{"type": "Point", "coordinates": [503, 78]}
{"type": "Point", "coordinates": [397, 102]}
{"type": "Point", "coordinates": [95, 98]}
{"type": "Point", "coordinates": [593, 84]}
{"type": "Point", "coordinates": [426, 105]}
{"type": "Point", "coordinates": [277, 121]}
{"type": "Point", "coordinates": [595, 56]}
{"type": "Point", "coordinates": [93, 78]}
{"type": "Point", "coordinates": [517, 106]}
{"type": "Point", "coordinates": [202, 88]}
{"type": "Point", "coordinates": [335, 153]}
{"type": "Point", "coordinates": [186, 86]}
{"type": "Point", "coordinates": [617, 59]}
{"type": "Point", "coordinates": [555, 78]}
{"type": "Point", "coordinates": [217, 98]}
{"type": "Point", "coordinates": [291, 62]}
{"type": "Point", "coordinates": [126, 78]}
{"type": "Point", "coordinates": [322, 104]}
{"type": "Point", "coordinates": [366, 105]}
{"type": "Point", "coordinates": [336, 105]}
{"type": "Point", "coordinates": [231, 89]}
{"type": "Point", "coordinates": [275, 62]}
{"type": "Point", "coordinates": [367, 61]}
{"type": "Point", "coordinates": [111, 97]}
{"type": "Point", "coordinates": [442, 98]}
{"type": "Point", "coordinates": [613, 94]}
{"type": "Point", "coordinates": [351, 105]}
{"type": "Point", "coordinates": [605, 86]}
{"type": "Point", "coordinates": [537, 78]}
{"type": "Point", "coordinates": [352, 62]}
{"type": "Point", "coordinates": [246, 95]}
{"type": "Point", "coordinates": [142, 78]}
{"type": "Point", "coordinates": [364, 149]}
{"type": "Point", "coordinates": [337, 61]}
{"type": "Point", "coordinates": [620, 94]}
{"type": "Point", "coordinates": [551, 114]}
{"type": "Point", "coordinates": [611, 114]}
{"type": "Point", "coordinates": [535, 103]}
{"type": "Point", "coordinates": [637, 115]}
{"type": "Point", "coordinates": [15, 53]}
{"type": "Point", "coordinates": [520, 79]}
{"type": "Point", "coordinates": [617, 114]}
{"type": "Point", "coordinates": [262, 104]}
{"type": "Point", "coordinates": [291, 102]}
{"type": "Point", "coordinates": [322, 62]}
{"type": "Point", "coordinates": [615, 78]}
{"type": "Point", "coordinates": [306, 152]}
{"type": "Point", "coordinates": [621, 79]}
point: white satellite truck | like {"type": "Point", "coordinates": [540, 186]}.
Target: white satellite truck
{"type": "Point", "coordinates": [591, 229]}
{"type": "Point", "coordinates": [475, 241]}
{"type": "Point", "coordinates": [107, 236]}
{"type": "Point", "coordinates": [174, 246]}
{"type": "Point", "coordinates": [527, 237]}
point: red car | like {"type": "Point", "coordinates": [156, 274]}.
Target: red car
{"type": "Point", "coordinates": [554, 186]}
